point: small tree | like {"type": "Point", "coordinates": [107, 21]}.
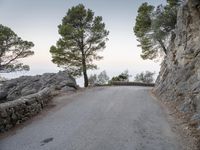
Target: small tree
{"type": "Point", "coordinates": [13, 48]}
{"type": "Point", "coordinates": [124, 76]}
{"type": "Point", "coordinates": [102, 78]}
{"type": "Point", "coordinates": [146, 77]}
{"type": "Point", "coordinates": [153, 27]}
{"type": "Point", "coordinates": [92, 80]}
{"type": "Point", "coordinates": [82, 37]}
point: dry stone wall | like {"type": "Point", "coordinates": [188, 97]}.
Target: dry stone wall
{"type": "Point", "coordinates": [17, 111]}
{"type": "Point", "coordinates": [24, 97]}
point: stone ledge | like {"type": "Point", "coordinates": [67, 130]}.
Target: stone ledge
{"type": "Point", "coordinates": [17, 111]}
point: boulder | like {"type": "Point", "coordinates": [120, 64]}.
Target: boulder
{"type": "Point", "coordinates": [27, 85]}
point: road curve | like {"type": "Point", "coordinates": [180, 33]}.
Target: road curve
{"type": "Point", "coordinates": [104, 118]}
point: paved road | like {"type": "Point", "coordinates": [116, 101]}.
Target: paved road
{"type": "Point", "coordinates": [110, 118]}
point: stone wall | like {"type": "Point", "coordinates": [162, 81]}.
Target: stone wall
{"type": "Point", "coordinates": [17, 111]}
{"type": "Point", "coordinates": [179, 78]}
{"type": "Point", "coordinates": [24, 97]}
{"type": "Point", "coordinates": [123, 83]}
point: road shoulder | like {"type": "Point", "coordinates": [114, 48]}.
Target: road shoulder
{"type": "Point", "coordinates": [178, 125]}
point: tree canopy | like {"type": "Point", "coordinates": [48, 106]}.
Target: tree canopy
{"type": "Point", "coordinates": [13, 48]}
{"type": "Point", "coordinates": [82, 36]}
{"type": "Point", "coordinates": [153, 27]}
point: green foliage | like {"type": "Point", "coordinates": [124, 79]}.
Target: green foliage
{"type": "Point", "coordinates": [124, 76]}
{"type": "Point", "coordinates": [100, 79]}
{"type": "Point", "coordinates": [173, 3]}
{"type": "Point", "coordinates": [143, 20]}
{"type": "Point", "coordinates": [153, 27]}
{"type": "Point", "coordinates": [145, 77]}
{"type": "Point", "coordinates": [82, 37]}
{"type": "Point", "coordinates": [13, 48]}
{"type": "Point", "coordinates": [92, 80]}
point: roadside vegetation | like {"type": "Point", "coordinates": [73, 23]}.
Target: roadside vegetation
{"type": "Point", "coordinates": [100, 79]}
{"type": "Point", "coordinates": [124, 76]}
{"type": "Point", "coordinates": [145, 77]}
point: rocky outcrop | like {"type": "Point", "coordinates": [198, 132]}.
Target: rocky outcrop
{"type": "Point", "coordinates": [179, 78]}
{"type": "Point", "coordinates": [26, 85]}
{"type": "Point", "coordinates": [26, 96]}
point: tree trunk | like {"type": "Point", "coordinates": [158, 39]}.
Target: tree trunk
{"type": "Point", "coordinates": [163, 46]}
{"type": "Point", "coordinates": [84, 72]}
{"type": "Point", "coordinates": [84, 63]}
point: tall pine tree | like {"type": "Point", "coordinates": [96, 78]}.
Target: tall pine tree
{"type": "Point", "coordinates": [82, 37]}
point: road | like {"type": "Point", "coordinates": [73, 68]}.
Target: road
{"type": "Point", "coordinates": [104, 118]}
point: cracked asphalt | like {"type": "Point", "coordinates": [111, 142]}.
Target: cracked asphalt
{"type": "Point", "coordinates": [102, 118]}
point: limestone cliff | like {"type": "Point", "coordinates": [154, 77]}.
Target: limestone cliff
{"type": "Point", "coordinates": [179, 78]}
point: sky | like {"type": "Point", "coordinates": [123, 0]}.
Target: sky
{"type": "Point", "coordinates": [37, 21]}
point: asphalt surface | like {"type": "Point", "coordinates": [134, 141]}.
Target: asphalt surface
{"type": "Point", "coordinates": [104, 118]}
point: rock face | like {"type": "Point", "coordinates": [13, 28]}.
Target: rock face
{"type": "Point", "coordinates": [179, 78]}
{"type": "Point", "coordinates": [26, 85]}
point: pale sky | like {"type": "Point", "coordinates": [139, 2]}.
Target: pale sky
{"type": "Point", "coordinates": [37, 21]}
